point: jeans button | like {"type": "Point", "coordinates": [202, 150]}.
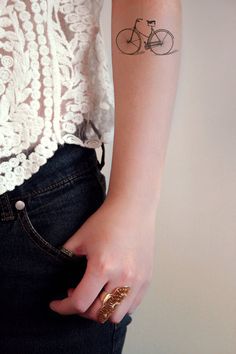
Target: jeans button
{"type": "Point", "coordinates": [19, 205]}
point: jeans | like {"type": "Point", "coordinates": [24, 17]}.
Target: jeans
{"type": "Point", "coordinates": [36, 218]}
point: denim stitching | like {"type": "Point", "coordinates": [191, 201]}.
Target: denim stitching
{"type": "Point", "coordinates": [2, 212]}
{"type": "Point", "coordinates": [23, 216]}
{"type": "Point", "coordinates": [10, 215]}
{"type": "Point", "coordinates": [5, 215]}
{"type": "Point", "coordinates": [62, 182]}
{"type": "Point", "coordinates": [114, 335]}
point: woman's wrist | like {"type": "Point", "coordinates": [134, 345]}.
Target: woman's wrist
{"type": "Point", "coordinates": [134, 206]}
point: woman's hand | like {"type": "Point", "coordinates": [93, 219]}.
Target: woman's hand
{"type": "Point", "coordinates": [119, 244]}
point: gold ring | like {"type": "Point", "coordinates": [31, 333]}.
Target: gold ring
{"type": "Point", "coordinates": [104, 296]}
{"type": "Point", "coordinates": [110, 301]}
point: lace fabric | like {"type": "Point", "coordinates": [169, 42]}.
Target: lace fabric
{"type": "Point", "coordinates": [55, 86]}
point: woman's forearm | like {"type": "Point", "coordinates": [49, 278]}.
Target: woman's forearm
{"type": "Point", "coordinates": [120, 234]}
{"type": "Point", "coordinates": [145, 87]}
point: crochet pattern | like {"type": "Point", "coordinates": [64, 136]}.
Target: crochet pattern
{"type": "Point", "coordinates": [55, 86]}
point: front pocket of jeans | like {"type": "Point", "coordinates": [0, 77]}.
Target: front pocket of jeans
{"type": "Point", "coordinates": [60, 253]}
{"type": "Point", "coordinates": [51, 218]}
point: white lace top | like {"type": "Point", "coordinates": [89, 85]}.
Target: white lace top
{"type": "Point", "coordinates": [55, 86]}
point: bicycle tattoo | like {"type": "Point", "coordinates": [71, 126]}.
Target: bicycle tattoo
{"type": "Point", "coordinates": [160, 41]}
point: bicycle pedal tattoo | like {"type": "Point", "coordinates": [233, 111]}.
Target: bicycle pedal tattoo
{"type": "Point", "coordinates": [160, 41]}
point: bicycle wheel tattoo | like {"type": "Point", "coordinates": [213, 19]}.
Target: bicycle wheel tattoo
{"type": "Point", "coordinates": [161, 42]}
{"type": "Point", "coordinates": [128, 41]}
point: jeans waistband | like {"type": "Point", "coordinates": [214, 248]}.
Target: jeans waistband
{"type": "Point", "coordinates": [68, 160]}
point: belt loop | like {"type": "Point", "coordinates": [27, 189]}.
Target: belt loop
{"type": "Point", "coordinates": [6, 211]}
{"type": "Point", "coordinates": [102, 163]}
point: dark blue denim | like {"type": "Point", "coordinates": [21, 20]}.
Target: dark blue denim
{"type": "Point", "coordinates": [34, 269]}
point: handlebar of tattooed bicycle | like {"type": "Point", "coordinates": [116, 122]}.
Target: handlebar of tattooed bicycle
{"type": "Point", "coordinates": [139, 19]}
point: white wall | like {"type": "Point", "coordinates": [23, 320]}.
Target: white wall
{"type": "Point", "coordinates": [190, 307]}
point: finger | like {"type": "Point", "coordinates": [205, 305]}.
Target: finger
{"type": "Point", "coordinates": [83, 295]}
{"type": "Point", "coordinates": [139, 296]}
{"type": "Point", "coordinates": [121, 309]}
{"type": "Point", "coordinates": [74, 244]}
{"type": "Point", "coordinates": [94, 310]}
{"type": "Point", "coordinates": [63, 307]}
{"type": "Point", "coordinates": [136, 302]}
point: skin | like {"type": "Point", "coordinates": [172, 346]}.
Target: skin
{"type": "Point", "coordinates": [119, 238]}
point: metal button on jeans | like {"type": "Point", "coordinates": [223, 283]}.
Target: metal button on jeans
{"type": "Point", "coordinates": [19, 205]}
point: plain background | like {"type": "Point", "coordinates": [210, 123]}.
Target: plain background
{"type": "Point", "coordinates": [190, 306]}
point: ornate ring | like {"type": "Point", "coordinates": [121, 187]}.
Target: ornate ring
{"type": "Point", "coordinates": [110, 301]}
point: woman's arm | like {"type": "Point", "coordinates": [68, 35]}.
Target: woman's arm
{"type": "Point", "coordinates": [145, 87]}
{"type": "Point", "coordinates": [120, 235]}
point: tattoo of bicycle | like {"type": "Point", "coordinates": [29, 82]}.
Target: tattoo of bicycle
{"type": "Point", "coordinates": [160, 41]}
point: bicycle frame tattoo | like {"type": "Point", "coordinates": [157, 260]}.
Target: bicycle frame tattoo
{"type": "Point", "coordinates": [160, 41]}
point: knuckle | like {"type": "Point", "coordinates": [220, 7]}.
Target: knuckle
{"type": "Point", "coordinates": [103, 268]}
{"type": "Point", "coordinates": [128, 275]}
